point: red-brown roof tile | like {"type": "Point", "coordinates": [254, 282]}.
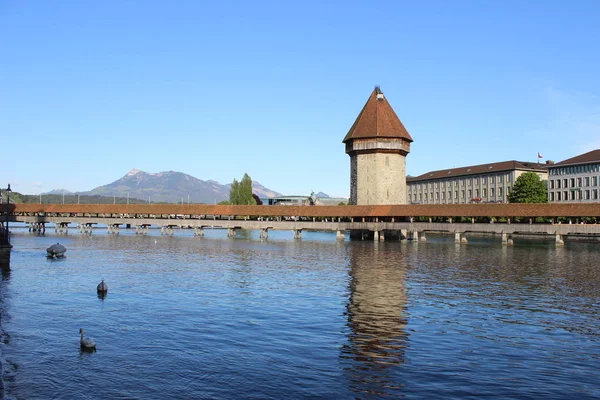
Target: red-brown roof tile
{"type": "Point", "coordinates": [479, 169]}
{"type": "Point", "coordinates": [377, 119]}
{"type": "Point", "coordinates": [586, 158]}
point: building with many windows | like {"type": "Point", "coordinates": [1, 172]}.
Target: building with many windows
{"type": "Point", "coordinates": [485, 183]}
{"type": "Point", "coordinates": [575, 180]}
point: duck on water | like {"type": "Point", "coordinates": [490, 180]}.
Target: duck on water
{"type": "Point", "coordinates": [86, 343]}
{"type": "Point", "coordinates": [56, 251]}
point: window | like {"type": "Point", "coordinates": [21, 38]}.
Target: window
{"type": "Point", "coordinates": [595, 181]}
{"type": "Point", "coordinates": [484, 192]}
{"type": "Point", "coordinates": [557, 196]}
{"type": "Point", "coordinates": [499, 179]}
{"type": "Point", "coordinates": [552, 184]}
{"type": "Point", "coordinates": [492, 194]}
{"type": "Point", "coordinates": [456, 194]}
{"type": "Point", "coordinates": [572, 182]}
{"type": "Point", "coordinates": [586, 195]}
{"type": "Point", "coordinates": [500, 192]}
{"type": "Point", "coordinates": [476, 192]}
{"type": "Point", "coordinates": [449, 195]}
{"type": "Point", "coordinates": [595, 194]}
{"type": "Point", "coordinates": [579, 182]}
{"type": "Point", "coordinates": [587, 181]}
{"type": "Point", "coordinates": [462, 194]}
{"type": "Point", "coordinates": [551, 196]}
{"type": "Point", "coordinates": [470, 194]}
{"type": "Point", "coordinates": [484, 180]}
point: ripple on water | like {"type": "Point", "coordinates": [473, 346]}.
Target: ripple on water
{"type": "Point", "coordinates": [317, 318]}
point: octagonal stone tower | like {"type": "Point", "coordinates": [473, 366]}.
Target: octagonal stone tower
{"type": "Point", "coordinates": [377, 144]}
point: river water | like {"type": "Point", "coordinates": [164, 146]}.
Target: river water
{"type": "Point", "coordinates": [316, 318]}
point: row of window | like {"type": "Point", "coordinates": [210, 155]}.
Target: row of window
{"type": "Point", "coordinates": [574, 195]}
{"type": "Point", "coordinates": [576, 169]}
{"type": "Point", "coordinates": [474, 181]}
{"type": "Point", "coordinates": [448, 195]}
{"type": "Point", "coordinates": [565, 183]}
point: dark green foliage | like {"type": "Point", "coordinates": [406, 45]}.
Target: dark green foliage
{"type": "Point", "coordinates": [529, 188]}
{"type": "Point", "coordinates": [241, 192]}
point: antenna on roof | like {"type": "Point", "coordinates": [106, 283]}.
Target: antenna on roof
{"type": "Point", "coordinates": [378, 89]}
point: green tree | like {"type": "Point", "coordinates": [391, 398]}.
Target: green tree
{"type": "Point", "coordinates": [241, 192]}
{"type": "Point", "coordinates": [234, 192]}
{"type": "Point", "coordinates": [529, 188]}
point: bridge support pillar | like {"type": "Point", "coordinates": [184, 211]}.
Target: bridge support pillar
{"type": "Point", "coordinates": [199, 231]}
{"type": "Point", "coordinates": [504, 238]}
{"type": "Point", "coordinates": [297, 233]}
{"type": "Point", "coordinates": [376, 236]}
{"type": "Point", "coordinates": [264, 234]}
{"type": "Point", "coordinates": [559, 240]}
{"type": "Point", "coordinates": [415, 236]}
{"type": "Point", "coordinates": [456, 237]}
{"type": "Point", "coordinates": [423, 237]}
{"type": "Point", "coordinates": [339, 235]}
{"type": "Point", "coordinates": [231, 232]}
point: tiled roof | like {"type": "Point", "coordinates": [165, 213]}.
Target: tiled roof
{"type": "Point", "coordinates": [589, 157]}
{"type": "Point", "coordinates": [479, 169]}
{"type": "Point", "coordinates": [441, 210]}
{"type": "Point", "coordinates": [377, 119]}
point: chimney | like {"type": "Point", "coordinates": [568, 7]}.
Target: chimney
{"type": "Point", "coordinates": [549, 162]}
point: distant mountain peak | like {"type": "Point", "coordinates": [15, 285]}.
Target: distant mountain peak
{"type": "Point", "coordinates": [133, 172]}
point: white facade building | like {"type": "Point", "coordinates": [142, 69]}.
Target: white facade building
{"type": "Point", "coordinates": [576, 180]}
{"type": "Point", "coordinates": [485, 183]}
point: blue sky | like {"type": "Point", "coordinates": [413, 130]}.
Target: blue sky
{"type": "Point", "coordinates": [90, 90]}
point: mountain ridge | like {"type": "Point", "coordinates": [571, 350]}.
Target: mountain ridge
{"type": "Point", "coordinates": [170, 187]}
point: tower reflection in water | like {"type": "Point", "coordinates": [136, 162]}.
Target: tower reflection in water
{"type": "Point", "coordinates": [377, 319]}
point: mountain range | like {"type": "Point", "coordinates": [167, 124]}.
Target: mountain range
{"type": "Point", "coordinates": [169, 187]}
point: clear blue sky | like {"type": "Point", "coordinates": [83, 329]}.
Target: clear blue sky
{"type": "Point", "coordinates": [91, 89]}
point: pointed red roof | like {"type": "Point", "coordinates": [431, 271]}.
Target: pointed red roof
{"type": "Point", "coordinates": [377, 120]}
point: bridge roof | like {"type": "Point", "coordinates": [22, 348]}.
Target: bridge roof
{"type": "Point", "coordinates": [431, 210]}
{"type": "Point", "coordinates": [377, 119]}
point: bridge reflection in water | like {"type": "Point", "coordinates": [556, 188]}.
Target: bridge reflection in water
{"type": "Point", "coordinates": [377, 320]}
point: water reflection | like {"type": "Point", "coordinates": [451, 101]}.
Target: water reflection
{"type": "Point", "coordinates": [377, 319]}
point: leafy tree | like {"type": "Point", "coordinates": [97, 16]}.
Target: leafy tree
{"type": "Point", "coordinates": [234, 192]}
{"type": "Point", "coordinates": [529, 188]}
{"type": "Point", "coordinates": [241, 192]}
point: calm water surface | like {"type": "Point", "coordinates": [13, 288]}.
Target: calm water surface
{"type": "Point", "coordinates": [218, 318]}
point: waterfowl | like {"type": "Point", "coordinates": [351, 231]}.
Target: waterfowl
{"type": "Point", "coordinates": [86, 343]}
{"type": "Point", "coordinates": [102, 288]}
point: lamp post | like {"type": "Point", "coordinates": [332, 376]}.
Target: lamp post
{"type": "Point", "coordinates": [6, 232]}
